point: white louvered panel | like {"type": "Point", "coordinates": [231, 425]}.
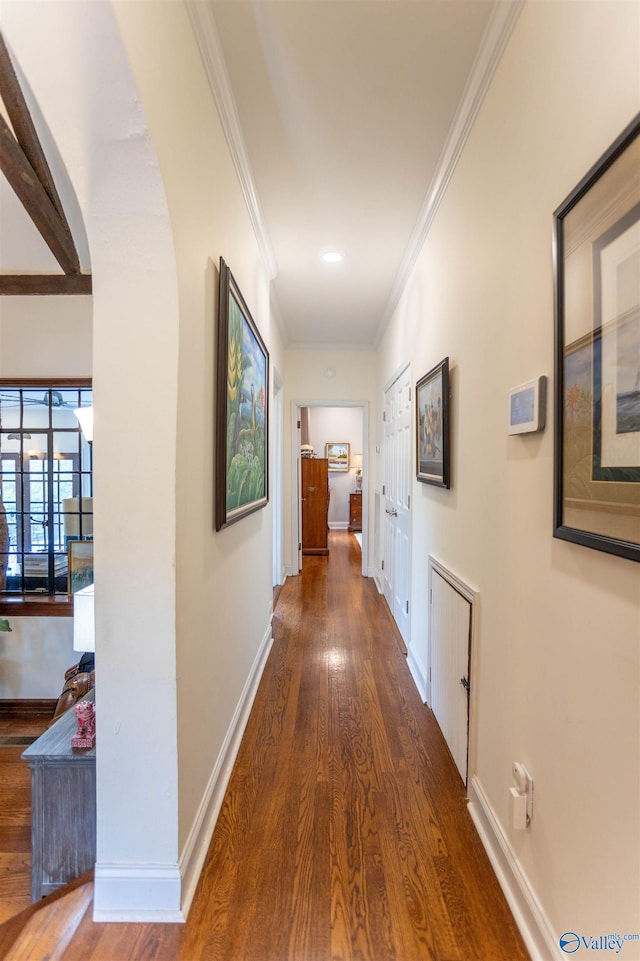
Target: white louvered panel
{"type": "Point", "coordinates": [450, 632]}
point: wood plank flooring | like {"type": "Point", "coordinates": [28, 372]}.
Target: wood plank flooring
{"type": "Point", "coordinates": [344, 832]}
{"type": "Point", "coordinates": [15, 814]}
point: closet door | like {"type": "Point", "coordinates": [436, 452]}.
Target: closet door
{"type": "Point", "coordinates": [450, 664]}
{"type": "Point", "coordinates": [397, 499]}
{"type": "Point", "coordinates": [315, 505]}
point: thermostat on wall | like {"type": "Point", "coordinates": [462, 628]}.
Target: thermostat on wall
{"type": "Point", "coordinates": [528, 406]}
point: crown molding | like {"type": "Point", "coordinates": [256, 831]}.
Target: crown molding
{"type": "Point", "coordinates": [499, 29]}
{"type": "Point", "coordinates": [208, 41]}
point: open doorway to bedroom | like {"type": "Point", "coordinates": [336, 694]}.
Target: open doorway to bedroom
{"type": "Point", "coordinates": [337, 433]}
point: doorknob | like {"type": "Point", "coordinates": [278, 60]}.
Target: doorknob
{"type": "Point", "coordinates": [393, 512]}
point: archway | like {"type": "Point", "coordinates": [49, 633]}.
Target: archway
{"type": "Point", "coordinates": [74, 60]}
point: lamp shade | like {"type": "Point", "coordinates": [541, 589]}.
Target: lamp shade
{"type": "Point", "coordinates": [85, 416]}
{"type": "Point", "coordinates": [84, 630]}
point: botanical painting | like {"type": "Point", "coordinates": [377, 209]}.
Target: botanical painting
{"type": "Point", "coordinates": [243, 375]}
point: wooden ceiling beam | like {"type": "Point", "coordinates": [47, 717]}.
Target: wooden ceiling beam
{"type": "Point", "coordinates": [23, 126]}
{"type": "Point", "coordinates": [25, 166]}
{"type": "Point", "coordinates": [16, 285]}
{"type": "Point", "coordinates": [36, 201]}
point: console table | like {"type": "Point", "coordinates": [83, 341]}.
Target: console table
{"type": "Point", "coordinates": [63, 807]}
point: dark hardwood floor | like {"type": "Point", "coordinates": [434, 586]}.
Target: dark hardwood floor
{"type": "Point", "coordinates": [344, 833]}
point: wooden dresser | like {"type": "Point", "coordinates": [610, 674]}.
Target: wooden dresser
{"type": "Point", "coordinates": [315, 505]}
{"type": "Point", "coordinates": [63, 807]}
{"type": "Point", "coordinates": [355, 511]}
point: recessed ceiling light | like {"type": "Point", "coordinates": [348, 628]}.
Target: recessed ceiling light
{"type": "Point", "coordinates": [332, 257]}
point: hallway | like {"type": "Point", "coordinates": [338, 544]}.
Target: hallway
{"type": "Point", "coordinates": [344, 833]}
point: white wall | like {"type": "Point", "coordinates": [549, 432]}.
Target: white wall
{"type": "Point", "coordinates": [34, 656]}
{"type": "Point", "coordinates": [46, 336]}
{"type": "Point", "coordinates": [223, 580]}
{"type": "Point", "coordinates": [556, 668]}
{"type": "Point", "coordinates": [343, 425]}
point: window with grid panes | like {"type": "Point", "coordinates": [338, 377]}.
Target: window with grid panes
{"type": "Point", "coordinates": [46, 487]}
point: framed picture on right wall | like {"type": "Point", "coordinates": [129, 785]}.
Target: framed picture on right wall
{"type": "Point", "coordinates": [432, 426]}
{"type": "Point", "coordinates": [597, 354]}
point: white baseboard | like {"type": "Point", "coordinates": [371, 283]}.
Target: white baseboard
{"type": "Point", "coordinates": [417, 673]}
{"type": "Point", "coordinates": [338, 525]}
{"type": "Point", "coordinates": [527, 911]}
{"type": "Point", "coordinates": [153, 888]}
{"type": "Point", "coordinates": [375, 574]}
{"type": "Point", "coordinates": [291, 570]}
{"type": "Point", "coordinates": [197, 844]}
{"type": "Point", "coordinates": [164, 893]}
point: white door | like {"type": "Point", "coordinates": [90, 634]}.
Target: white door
{"type": "Point", "coordinates": [277, 478]}
{"type": "Point", "coordinates": [450, 637]}
{"type": "Point", "coordinates": [397, 499]}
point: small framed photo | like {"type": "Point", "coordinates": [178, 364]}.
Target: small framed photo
{"type": "Point", "coordinates": [338, 456]}
{"type": "Point", "coordinates": [80, 565]}
{"type": "Point", "coordinates": [432, 426]}
{"type": "Point", "coordinates": [528, 407]}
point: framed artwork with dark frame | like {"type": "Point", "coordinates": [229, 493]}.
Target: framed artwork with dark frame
{"type": "Point", "coordinates": [242, 422]}
{"type": "Point", "coordinates": [432, 426]}
{"type": "Point", "coordinates": [597, 354]}
{"type": "Point", "coordinates": [338, 456]}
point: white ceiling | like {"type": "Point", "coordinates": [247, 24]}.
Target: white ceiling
{"type": "Point", "coordinates": [345, 119]}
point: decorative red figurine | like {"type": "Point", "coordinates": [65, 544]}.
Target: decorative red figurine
{"type": "Point", "coordinates": [85, 736]}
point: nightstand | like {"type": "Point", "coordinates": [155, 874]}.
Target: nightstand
{"type": "Point", "coordinates": [355, 511]}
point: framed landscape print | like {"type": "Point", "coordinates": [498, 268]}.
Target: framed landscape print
{"type": "Point", "coordinates": [432, 426]}
{"type": "Point", "coordinates": [80, 565]}
{"type": "Point", "coordinates": [242, 433]}
{"type": "Point", "coordinates": [597, 354]}
{"type": "Point", "coordinates": [338, 456]}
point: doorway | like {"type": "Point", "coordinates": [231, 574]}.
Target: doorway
{"type": "Point", "coordinates": [349, 422]}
